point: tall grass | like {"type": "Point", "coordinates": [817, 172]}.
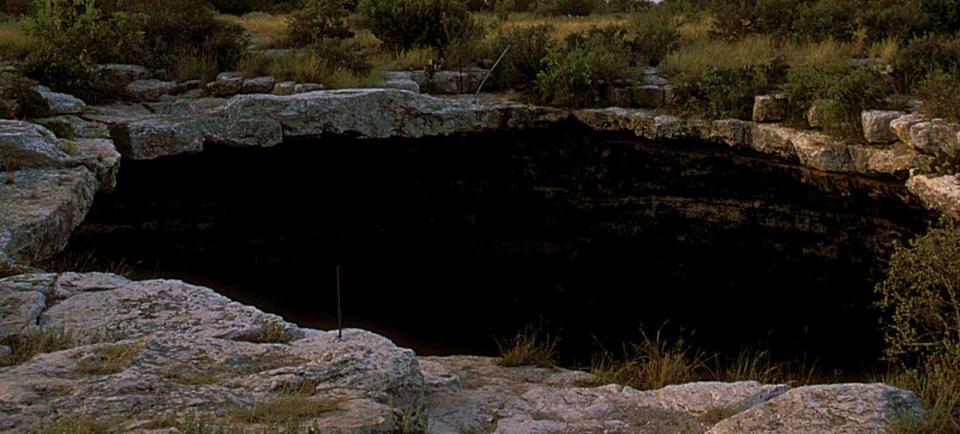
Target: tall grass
{"type": "Point", "coordinates": [15, 42]}
{"type": "Point", "coordinates": [268, 30]}
{"type": "Point", "coordinates": [530, 346]}
{"type": "Point", "coordinates": [563, 26]}
{"type": "Point", "coordinates": [652, 363]}
{"type": "Point", "coordinates": [24, 346]}
{"type": "Point", "coordinates": [937, 384]}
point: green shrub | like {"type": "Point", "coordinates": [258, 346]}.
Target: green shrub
{"type": "Point", "coordinates": [722, 92]}
{"type": "Point", "coordinates": [567, 7]}
{"type": "Point", "coordinates": [940, 92]}
{"type": "Point", "coordinates": [239, 7]}
{"type": "Point", "coordinates": [922, 56]}
{"type": "Point", "coordinates": [653, 34]}
{"type": "Point", "coordinates": [847, 89]}
{"type": "Point", "coordinates": [826, 19]}
{"type": "Point", "coordinates": [76, 35]}
{"type": "Point", "coordinates": [405, 24]}
{"type": "Point", "coordinates": [15, 7]}
{"type": "Point", "coordinates": [318, 20]}
{"type": "Point", "coordinates": [529, 46]}
{"type": "Point", "coordinates": [920, 295]}
{"type": "Point", "coordinates": [737, 18]}
{"type": "Point", "coordinates": [583, 73]}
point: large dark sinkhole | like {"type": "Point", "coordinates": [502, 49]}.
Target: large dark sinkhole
{"type": "Point", "coordinates": [447, 243]}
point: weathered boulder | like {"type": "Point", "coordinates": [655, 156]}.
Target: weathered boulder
{"type": "Point", "coordinates": [940, 193]}
{"type": "Point", "coordinates": [838, 408]}
{"type": "Point", "coordinates": [237, 357]}
{"type": "Point", "coordinates": [258, 85]}
{"type": "Point", "coordinates": [454, 82]}
{"type": "Point", "coordinates": [150, 89]}
{"type": "Point", "coordinates": [769, 108]}
{"type": "Point", "coordinates": [876, 125]}
{"type": "Point", "coordinates": [307, 87]}
{"type": "Point", "coordinates": [402, 84]}
{"type": "Point", "coordinates": [226, 84]}
{"type": "Point", "coordinates": [98, 155]}
{"type": "Point", "coordinates": [75, 127]}
{"type": "Point", "coordinates": [265, 120]}
{"type": "Point", "coordinates": [901, 126]}
{"type": "Point", "coordinates": [118, 76]}
{"type": "Point", "coordinates": [935, 136]}
{"type": "Point", "coordinates": [24, 146]}
{"type": "Point", "coordinates": [41, 207]}
{"type": "Point", "coordinates": [50, 103]}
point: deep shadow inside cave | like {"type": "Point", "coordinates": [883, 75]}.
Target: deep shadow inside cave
{"type": "Point", "coordinates": [448, 242]}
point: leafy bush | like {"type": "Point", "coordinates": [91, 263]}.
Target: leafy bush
{"type": "Point", "coordinates": [583, 73]}
{"type": "Point", "coordinates": [529, 46]}
{"type": "Point", "coordinates": [725, 92]}
{"type": "Point", "coordinates": [940, 92]}
{"type": "Point", "coordinates": [246, 6]}
{"type": "Point", "coordinates": [847, 91]}
{"type": "Point", "coordinates": [826, 19]}
{"type": "Point", "coordinates": [76, 35]}
{"type": "Point", "coordinates": [737, 18]}
{"type": "Point", "coordinates": [922, 56]}
{"type": "Point", "coordinates": [15, 7]}
{"type": "Point", "coordinates": [567, 7]}
{"type": "Point", "coordinates": [921, 295]}
{"type": "Point", "coordinates": [652, 35]}
{"type": "Point", "coordinates": [317, 20]}
{"type": "Point", "coordinates": [405, 24]}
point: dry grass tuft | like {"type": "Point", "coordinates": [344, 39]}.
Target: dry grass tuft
{"type": "Point", "coordinates": [749, 365]}
{"type": "Point", "coordinates": [937, 384]}
{"type": "Point", "coordinates": [530, 346]}
{"type": "Point", "coordinates": [15, 42]}
{"type": "Point", "coordinates": [85, 262]}
{"type": "Point", "coordinates": [268, 333]}
{"type": "Point", "coordinates": [714, 415]}
{"type": "Point", "coordinates": [651, 364]}
{"type": "Point", "coordinates": [75, 425]}
{"type": "Point", "coordinates": [268, 30]}
{"type": "Point", "coordinates": [24, 347]}
{"type": "Point", "coordinates": [112, 359]}
{"type": "Point", "coordinates": [286, 408]}
{"type": "Point", "coordinates": [563, 26]}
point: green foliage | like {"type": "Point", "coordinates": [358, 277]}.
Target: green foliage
{"type": "Point", "coordinates": [826, 19]}
{"type": "Point", "coordinates": [737, 18]}
{"type": "Point", "coordinates": [583, 73]}
{"type": "Point", "coordinates": [15, 7]}
{"type": "Point", "coordinates": [922, 56]}
{"type": "Point", "coordinates": [75, 425]}
{"type": "Point", "coordinates": [846, 91]}
{"type": "Point", "coordinates": [567, 7]}
{"type": "Point", "coordinates": [413, 421]}
{"type": "Point", "coordinates": [722, 92]}
{"type": "Point", "coordinates": [405, 24]}
{"type": "Point", "coordinates": [940, 92]}
{"type": "Point", "coordinates": [921, 295]}
{"type": "Point", "coordinates": [245, 6]}
{"type": "Point", "coordinates": [937, 383]}
{"type": "Point", "coordinates": [653, 34]}
{"type": "Point", "coordinates": [318, 20]}
{"type": "Point", "coordinates": [76, 35]}
{"type": "Point", "coordinates": [529, 46]}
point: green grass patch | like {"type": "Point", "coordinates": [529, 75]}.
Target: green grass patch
{"type": "Point", "coordinates": [25, 346]}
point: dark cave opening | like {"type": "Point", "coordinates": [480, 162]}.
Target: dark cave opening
{"type": "Point", "coordinates": [447, 243]}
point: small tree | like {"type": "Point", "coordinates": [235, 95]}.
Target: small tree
{"type": "Point", "coordinates": [921, 295]}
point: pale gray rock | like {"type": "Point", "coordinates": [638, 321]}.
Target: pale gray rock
{"type": "Point", "coordinates": [150, 89]}
{"type": "Point", "coordinates": [453, 82]}
{"type": "Point", "coordinates": [307, 87]}
{"type": "Point", "coordinates": [816, 114]}
{"type": "Point", "coordinates": [24, 145]}
{"type": "Point", "coordinates": [876, 125]}
{"type": "Point", "coordinates": [935, 136]}
{"type": "Point", "coordinates": [175, 332]}
{"type": "Point", "coordinates": [284, 88]}
{"type": "Point", "coordinates": [75, 127]}
{"type": "Point", "coordinates": [119, 76]}
{"type": "Point", "coordinates": [19, 312]}
{"type": "Point", "coordinates": [940, 193]}
{"type": "Point", "coordinates": [153, 137]}
{"type": "Point", "coordinates": [838, 408]}
{"type": "Point", "coordinates": [901, 126]}
{"type": "Point", "coordinates": [98, 155]}
{"type": "Point", "coordinates": [402, 84]}
{"type": "Point", "coordinates": [769, 108]}
{"type": "Point", "coordinates": [258, 85]}
{"type": "Point", "coordinates": [54, 103]}
{"type": "Point", "coordinates": [41, 208]}
{"type": "Point", "coordinates": [226, 84]}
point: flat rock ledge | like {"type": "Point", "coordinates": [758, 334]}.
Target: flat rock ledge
{"type": "Point", "coordinates": [191, 353]}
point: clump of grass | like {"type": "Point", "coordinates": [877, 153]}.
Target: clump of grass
{"type": "Point", "coordinates": [413, 421]}
{"type": "Point", "coordinates": [748, 364]}
{"type": "Point", "coordinates": [563, 26]}
{"type": "Point", "coordinates": [193, 66]}
{"type": "Point", "coordinates": [286, 408]}
{"type": "Point", "coordinates": [75, 425]}
{"type": "Point", "coordinates": [346, 79]}
{"type": "Point", "coordinates": [714, 415]}
{"type": "Point", "coordinates": [652, 363]}
{"type": "Point", "coordinates": [937, 384]}
{"type": "Point", "coordinates": [15, 42]}
{"type": "Point", "coordinates": [268, 30]}
{"type": "Point", "coordinates": [112, 359]}
{"type": "Point", "coordinates": [530, 346]}
{"type": "Point", "coordinates": [85, 262]}
{"type": "Point", "coordinates": [24, 347]}
{"type": "Point", "coordinates": [269, 333]}
{"type": "Point", "coordinates": [304, 66]}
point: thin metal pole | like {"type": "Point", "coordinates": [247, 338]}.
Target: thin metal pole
{"type": "Point", "coordinates": [476, 97]}
{"type": "Point", "coordinates": [339, 313]}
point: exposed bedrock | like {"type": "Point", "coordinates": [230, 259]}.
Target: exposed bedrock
{"type": "Point", "coordinates": [189, 352]}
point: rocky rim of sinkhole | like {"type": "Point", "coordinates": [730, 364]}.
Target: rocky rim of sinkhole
{"type": "Point", "coordinates": [188, 351]}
